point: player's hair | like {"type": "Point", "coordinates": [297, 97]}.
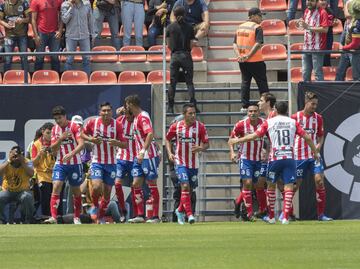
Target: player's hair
{"type": "Point", "coordinates": [47, 126]}
{"type": "Point", "coordinates": [281, 107]}
{"type": "Point", "coordinates": [133, 99]}
{"type": "Point", "coordinates": [186, 106]}
{"type": "Point", "coordinates": [58, 110]}
{"type": "Point", "coordinates": [253, 104]}
{"type": "Point", "coordinates": [310, 96]}
{"type": "Point", "coordinates": [18, 149]}
{"type": "Point", "coordinates": [38, 134]}
{"type": "Point", "coordinates": [104, 104]}
{"type": "Point", "coordinates": [179, 13]}
{"type": "Point", "coordinates": [269, 97]}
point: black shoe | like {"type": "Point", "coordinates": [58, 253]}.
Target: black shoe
{"type": "Point", "coordinates": [292, 218]}
{"type": "Point", "coordinates": [170, 109]}
{"type": "Point", "coordinates": [246, 218]}
{"type": "Point", "coordinates": [237, 212]}
{"type": "Point", "coordinates": [260, 215]}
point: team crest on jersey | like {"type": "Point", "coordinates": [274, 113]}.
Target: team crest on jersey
{"type": "Point", "coordinates": [272, 175]}
{"type": "Point", "coordinates": [146, 171]}
{"type": "Point", "coordinates": [257, 174]}
{"type": "Point", "coordinates": [194, 178]}
{"type": "Point", "coordinates": [75, 176]}
{"type": "Point", "coordinates": [113, 174]}
{"type": "Point", "coordinates": [243, 172]}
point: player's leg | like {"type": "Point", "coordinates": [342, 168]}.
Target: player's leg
{"type": "Point", "coordinates": [75, 179]}
{"type": "Point", "coordinates": [109, 174]}
{"type": "Point", "coordinates": [150, 170]}
{"type": "Point", "coordinates": [260, 191]}
{"type": "Point", "coordinates": [289, 175]}
{"type": "Point", "coordinates": [121, 171]}
{"type": "Point", "coordinates": [272, 174]}
{"type": "Point", "coordinates": [138, 195]}
{"type": "Point", "coordinates": [96, 177]}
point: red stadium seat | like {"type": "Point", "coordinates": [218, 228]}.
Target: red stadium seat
{"type": "Point", "coordinates": [104, 58]}
{"type": "Point", "coordinates": [74, 77]}
{"type": "Point", "coordinates": [197, 54]}
{"type": "Point", "coordinates": [1, 79]}
{"type": "Point", "coordinates": [349, 75]}
{"type": "Point", "coordinates": [293, 30]}
{"type": "Point", "coordinates": [77, 58]}
{"type": "Point", "coordinates": [273, 27]}
{"type": "Point", "coordinates": [329, 73]}
{"type": "Point", "coordinates": [105, 30]}
{"type": "Point", "coordinates": [296, 46]}
{"type": "Point", "coordinates": [131, 77]}
{"type": "Point", "coordinates": [17, 59]}
{"type": "Point", "coordinates": [157, 57]}
{"type": "Point", "coordinates": [336, 46]}
{"type": "Point", "coordinates": [15, 77]}
{"type": "Point", "coordinates": [272, 5]}
{"type": "Point", "coordinates": [45, 77]}
{"type": "Point", "coordinates": [103, 77]}
{"type": "Point", "coordinates": [338, 27]}
{"type": "Point", "coordinates": [132, 30]}
{"type": "Point", "coordinates": [296, 74]}
{"type": "Point", "coordinates": [156, 76]}
{"type": "Point", "coordinates": [132, 57]}
{"type": "Point", "coordinates": [273, 52]}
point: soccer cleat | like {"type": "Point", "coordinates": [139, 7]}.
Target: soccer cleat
{"type": "Point", "coordinates": [122, 219]}
{"type": "Point", "coordinates": [77, 221]}
{"type": "Point", "coordinates": [292, 217]}
{"type": "Point", "coordinates": [93, 211]}
{"type": "Point", "coordinates": [50, 220]}
{"type": "Point", "coordinates": [249, 218]}
{"type": "Point", "coordinates": [284, 221]}
{"type": "Point", "coordinates": [237, 212]}
{"type": "Point", "coordinates": [268, 220]}
{"type": "Point", "coordinates": [325, 218]}
{"type": "Point", "coordinates": [180, 217]}
{"type": "Point", "coordinates": [191, 219]}
{"type": "Point", "coordinates": [260, 215]}
{"type": "Point", "coordinates": [153, 220]}
{"type": "Point", "coordinates": [281, 217]}
{"type": "Point", "coordinates": [137, 219]}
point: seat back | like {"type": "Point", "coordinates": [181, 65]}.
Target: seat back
{"type": "Point", "coordinates": [156, 76]}
{"type": "Point", "coordinates": [103, 77]}
{"type": "Point", "coordinates": [74, 77]}
{"type": "Point", "coordinates": [157, 57]}
{"type": "Point", "coordinates": [104, 58]}
{"type": "Point", "coordinates": [131, 77]}
{"type": "Point", "coordinates": [273, 27]}
{"type": "Point", "coordinates": [272, 52]}
{"type": "Point", "coordinates": [15, 77]}
{"type": "Point", "coordinates": [197, 54]}
{"type": "Point", "coordinates": [272, 5]}
{"type": "Point", "coordinates": [45, 77]}
{"type": "Point", "coordinates": [296, 46]}
{"type": "Point", "coordinates": [132, 57]}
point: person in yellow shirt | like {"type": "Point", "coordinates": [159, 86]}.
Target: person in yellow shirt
{"type": "Point", "coordinates": [44, 161]}
{"type": "Point", "coordinates": [16, 172]}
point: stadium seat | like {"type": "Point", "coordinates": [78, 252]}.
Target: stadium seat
{"type": "Point", "coordinates": [77, 58]}
{"type": "Point", "coordinates": [103, 77]}
{"type": "Point", "coordinates": [197, 54]}
{"type": "Point", "coordinates": [296, 46]}
{"type": "Point", "coordinates": [293, 30]}
{"type": "Point", "coordinates": [296, 74]}
{"type": "Point", "coordinates": [273, 52]}
{"type": "Point", "coordinates": [74, 77]}
{"type": "Point", "coordinates": [156, 76]}
{"type": "Point", "coordinates": [272, 5]}
{"type": "Point", "coordinates": [336, 46]}
{"type": "Point", "coordinates": [132, 57]}
{"type": "Point", "coordinates": [273, 27]}
{"type": "Point", "coordinates": [1, 79]}
{"type": "Point", "coordinates": [133, 31]}
{"type": "Point", "coordinates": [17, 59]}
{"type": "Point", "coordinates": [45, 77]}
{"type": "Point", "coordinates": [157, 57]}
{"type": "Point", "coordinates": [105, 30]}
{"type": "Point", "coordinates": [329, 73]}
{"type": "Point", "coordinates": [131, 77]}
{"type": "Point", "coordinates": [338, 27]}
{"type": "Point", "coordinates": [349, 76]}
{"type": "Point", "coordinates": [104, 58]}
{"type": "Point", "coordinates": [15, 77]}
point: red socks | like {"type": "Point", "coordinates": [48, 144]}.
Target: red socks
{"type": "Point", "coordinates": [54, 204]}
{"type": "Point", "coordinates": [271, 196]}
{"type": "Point", "coordinates": [120, 195]}
{"type": "Point", "coordinates": [239, 198]}
{"type": "Point", "coordinates": [287, 204]}
{"type": "Point", "coordinates": [321, 200]}
{"type": "Point", "coordinates": [77, 206]}
{"type": "Point", "coordinates": [261, 197]}
{"type": "Point", "coordinates": [185, 203]}
{"type": "Point", "coordinates": [248, 202]}
{"type": "Point", "coordinates": [139, 201]}
{"type": "Point", "coordinates": [156, 198]}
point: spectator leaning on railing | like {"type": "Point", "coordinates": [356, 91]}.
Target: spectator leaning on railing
{"type": "Point", "coordinates": [14, 16]}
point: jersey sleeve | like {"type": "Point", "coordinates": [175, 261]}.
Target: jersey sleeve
{"type": "Point", "coordinates": [146, 125]}
{"type": "Point", "coordinates": [299, 130]}
{"type": "Point", "coordinates": [120, 132]}
{"type": "Point", "coordinates": [171, 132]}
{"type": "Point", "coordinates": [204, 137]}
{"type": "Point", "coordinates": [262, 130]}
{"type": "Point", "coordinates": [34, 151]}
{"type": "Point", "coordinates": [76, 130]}
{"type": "Point", "coordinates": [238, 130]}
{"type": "Point", "coordinates": [53, 136]}
{"type": "Point", "coordinates": [293, 116]}
{"type": "Point", "coordinates": [89, 127]}
{"type": "Point", "coordinates": [320, 129]}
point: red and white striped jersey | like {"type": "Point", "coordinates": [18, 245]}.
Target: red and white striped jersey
{"type": "Point", "coordinates": [249, 150]}
{"type": "Point", "coordinates": [67, 145]}
{"type": "Point", "coordinates": [104, 153]}
{"type": "Point", "coordinates": [143, 126]}
{"type": "Point", "coordinates": [313, 125]}
{"type": "Point", "coordinates": [271, 114]}
{"type": "Point", "coordinates": [129, 153]}
{"type": "Point", "coordinates": [185, 138]}
{"type": "Point", "coordinates": [315, 18]}
{"type": "Point", "coordinates": [282, 131]}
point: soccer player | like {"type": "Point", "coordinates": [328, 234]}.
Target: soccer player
{"type": "Point", "coordinates": [312, 123]}
{"type": "Point", "coordinates": [107, 134]}
{"type": "Point", "coordinates": [281, 130]}
{"type": "Point", "coordinates": [145, 162]}
{"type": "Point", "coordinates": [191, 138]}
{"type": "Point", "coordinates": [67, 143]}
{"type": "Point", "coordinates": [250, 160]}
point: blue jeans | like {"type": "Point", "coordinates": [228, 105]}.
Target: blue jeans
{"type": "Point", "coordinates": [9, 45]}
{"type": "Point", "coordinates": [54, 45]}
{"type": "Point", "coordinates": [355, 63]}
{"type": "Point", "coordinates": [84, 45]}
{"type": "Point", "coordinates": [310, 62]}
{"type": "Point", "coordinates": [153, 32]}
{"type": "Point", "coordinates": [131, 12]}
{"type": "Point", "coordinates": [113, 18]}
{"type": "Point", "coordinates": [113, 211]}
{"type": "Point", "coordinates": [293, 7]}
{"type": "Point", "coordinates": [344, 63]}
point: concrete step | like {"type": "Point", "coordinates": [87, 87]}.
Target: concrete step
{"type": "Point", "coordinates": [224, 26]}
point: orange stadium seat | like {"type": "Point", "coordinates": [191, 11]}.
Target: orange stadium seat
{"type": "Point", "coordinates": [15, 77]}
{"type": "Point", "coordinates": [1, 79]}
{"type": "Point", "coordinates": [336, 46]}
{"type": "Point", "coordinates": [132, 57]}
{"type": "Point", "coordinates": [157, 57]}
{"type": "Point", "coordinates": [104, 58]}
{"type": "Point", "coordinates": [103, 77]}
{"type": "Point", "coordinates": [349, 76]}
{"type": "Point", "coordinates": [329, 73]}
{"type": "Point", "coordinates": [296, 74]}
{"type": "Point", "coordinates": [296, 46]}
{"type": "Point", "coordinates": [77, 58]}
{"type": "Point", "coordinates": [131, 77]}
{"type": "Point", "coordinates": [272, 5]}
{"type": "Point", "coordinates": [45, 77]}
{"type": "Point", "coordinates": [133, 30]}
{"type": "Point", "coordinates": [105, 30]}
{"type": "Point", "coordinates": [273, 52]}
{"type": "Point", "coordinates": [338, 27]}
{"type": "Point", "coordinates": [17, 59]}
{"type": "Point", "coordinates": [293, 30]}
{"type": "Point", "coordinates": [74, 77]}
{"type": "Point", "coordinates": [156, 76]}
{"type": "Point", "coordinates": [197, 54]}
{"type": "Point", "coordinates": [273, 27]}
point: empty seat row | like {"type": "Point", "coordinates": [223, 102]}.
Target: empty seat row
{"type": "Point", "coordinates": [329, 74]}
{"type": "Point", "coordinates": [80, 77]}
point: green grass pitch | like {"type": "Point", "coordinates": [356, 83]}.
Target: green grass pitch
{"type": "Point", "coordinates": [306, 244]}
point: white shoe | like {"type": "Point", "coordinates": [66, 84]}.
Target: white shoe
{"type": "Point", "coordinates": [77, 221]}
{"type": "Point", "coordinates": [191, 219]}
{"type": "Point", "coordinates": [180, 217]}
{"type": "Point", "coordinates": [50, 220]}
{"type": "Point", "coordinates": [268, 220]}
{"type": "Point", "coordinates": [156, 220]}
{"type": "Point", "coordinates": [122, 219]}
{"type": "Point", "coordinates": [137, 219]}
{"type": "Point", "coordinates": [284, 221]}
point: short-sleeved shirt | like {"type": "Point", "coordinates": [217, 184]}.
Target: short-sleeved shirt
{"type": "Point", "coordinates": [315, 18]}
{"type": "Point", "coordinates": [259, 36]}
{"type": "Point", "coordinates": [10, 12]}
{"type": "Point", "coordinates": [180, 36]}
{"type": "Point", "coordinates": [192, 12]}
{"type": "Point", "coordinates": [47, 14]}
{"type": "Point", "coordinates": [16, 179]}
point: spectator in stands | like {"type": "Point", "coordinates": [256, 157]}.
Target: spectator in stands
{"type": "Point", "coordinates": [16, 172]}
{"type": "Point", "coordinates": [14, 16]}
{"type": "Point", "coordinates": [329, 36]}
{"type": "Point", "coordinates": [77, 16]}
{"type": "Point", "coordinates": [132, 11]}
{"type": "Point", "coordinates": [196, 14]}
{"type": "Point", "coordinates": [247, 47]}
{"type": "Point", "coordinates": [181, 38]}
{"type": "Point", "coordinates": [48, 28]}
{"type": "Point", "coordinates": [293, 4]}
{"type": "Point", "coordinates": [160, 11]}
{"type": "Point", "coordinates": [111, 10]}
{"type": "Point", "coordinates": [44, 161]}
{"type": "Point", "coordinates": [316, 24]}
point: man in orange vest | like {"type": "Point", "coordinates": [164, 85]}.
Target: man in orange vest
{"type": "Point", "coordinates": [247, 47]}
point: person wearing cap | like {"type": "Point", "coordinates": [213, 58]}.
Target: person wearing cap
{"type": "Point", "coordinates": [247, 47]}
